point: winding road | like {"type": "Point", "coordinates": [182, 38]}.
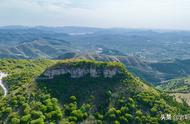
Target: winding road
{"type": "Point", "coordinates": [2, 75]}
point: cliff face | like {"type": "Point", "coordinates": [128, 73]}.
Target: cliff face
{"type": "Point", "coordinates": [78, 72]}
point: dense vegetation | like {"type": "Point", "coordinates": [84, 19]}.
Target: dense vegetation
{"type": "Point", "coordinates": [118, 100]}
{"type": "Point", "coordinates": [23, 104]}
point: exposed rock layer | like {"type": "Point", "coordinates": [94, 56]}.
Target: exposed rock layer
{"type": "Point", "coordinates": [78, 72]}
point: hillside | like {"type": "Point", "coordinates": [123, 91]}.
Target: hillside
{"type": "Point", "coordinates": [38, 48]}
{"type": "Point", "coordinates": [156, 72]}
{"type": "Point", "coordinates": [179, 88]}
{"type": "Point", "coordinates": [79, 91]}
{"type": "Point", "coordinates": [176, 85]}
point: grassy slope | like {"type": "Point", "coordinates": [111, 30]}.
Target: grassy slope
{"type": "Point", "coordinates": [179, 88]}
{"type": "Point", "coordinates": [182, 97]}
{"type": "Point", "coordinates": [176, 85]}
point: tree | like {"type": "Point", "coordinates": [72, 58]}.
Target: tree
{"type": "Point", "coordinates": [78, 114]}
{"type": "Point", "coordinates": [73, 98]}
{"type": "Point", "coordinates": [37, 121]}
{"type": "Point", "coordinates": [116, 122]}
{"type": "Point", "coordinates": [25, 119]}
{"type": "Point", "coordinates": [15, 121]}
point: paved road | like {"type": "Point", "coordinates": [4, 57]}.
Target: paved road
{"type": "Point", "coordinates": [2, 75]}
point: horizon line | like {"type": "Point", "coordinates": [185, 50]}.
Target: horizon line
{"type": "Point", "coordinates": [95, 27]}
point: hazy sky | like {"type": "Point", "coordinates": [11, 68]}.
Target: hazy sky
{"type": "Point", "coordinates": [169, 14]}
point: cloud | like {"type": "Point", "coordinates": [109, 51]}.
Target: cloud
{"type": "Point", "coordinates": [102, 13]}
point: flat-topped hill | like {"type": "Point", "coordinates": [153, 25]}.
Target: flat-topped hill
{"type": "Point", "coordinates": [111, 92]}
{"type": "Point", "coordinates": [85, 99]}
{"type": "Point", "coordinates": [79, 68]}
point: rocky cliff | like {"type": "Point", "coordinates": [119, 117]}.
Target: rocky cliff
{"type": "Point", "coordinates": [81, 71]}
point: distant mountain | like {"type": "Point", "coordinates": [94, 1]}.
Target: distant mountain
{"type": "Point", "coordinates": [66, 29]}
{"type": "Point", "coordinates": [148, 45]}
{"type": "Point", "coordinates": [39, 48]}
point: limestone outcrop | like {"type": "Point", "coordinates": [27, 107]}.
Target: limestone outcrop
{"type": "Point", "coordinates": [78, 72]}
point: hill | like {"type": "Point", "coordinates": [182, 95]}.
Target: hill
{"type": "Point", "coordinates": [38, 48]}
{"type": "Point", "coordinates": [179, 88]}
{"type": "Point", "coordinates": [80, 91]}
{"type": "Point", "coordinates": [156, 72]}
{"type": "Point", "coordinates": [176, 85]}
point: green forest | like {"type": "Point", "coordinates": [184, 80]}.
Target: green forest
{"type": "Point", "coordinates": [122, 99]}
